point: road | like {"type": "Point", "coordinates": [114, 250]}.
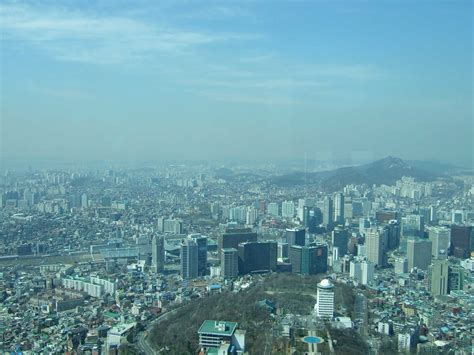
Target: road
{"type": "Point", "coordinates": [143, 343]}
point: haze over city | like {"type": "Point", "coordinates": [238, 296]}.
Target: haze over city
{"type": "Point", "coordinates": [263, 80]}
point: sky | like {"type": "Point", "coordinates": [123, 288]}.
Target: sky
{"type": "Point", "coordinates": [246, 80]}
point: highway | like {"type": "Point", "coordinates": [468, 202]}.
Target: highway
{"type": "Point", "coordinates": [143, 344]}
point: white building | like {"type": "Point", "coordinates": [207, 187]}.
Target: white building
{"type": "Point", "coordinates": [440, 239]}
{"type": "Point", "coordinates": [324, 307]}
{"type": "Point", "coordinates": [288, 209]}
{"type": "Point", "coordinates": [273, 209]}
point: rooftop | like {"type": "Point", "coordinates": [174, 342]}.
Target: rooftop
{"type": "Point", "coordinates": [218, 327]}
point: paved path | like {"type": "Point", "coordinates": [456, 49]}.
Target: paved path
{"type": "Point", "coordinates": [143, 343]}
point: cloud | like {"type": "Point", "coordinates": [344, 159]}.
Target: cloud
{"type": "Point", "coordinates": [81, 37]}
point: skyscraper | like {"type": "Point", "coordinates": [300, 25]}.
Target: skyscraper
{"type": "Point", "coordinates": [418, 253]}
{"type": "Point", "coordinates": [158, 253]}
{"type": "Point", "coordinates": [232, 237]}
{"type": "Point", "coordinates": [438, 278]}
{"type": "Point", "coordinates": [375, 241]}
{"type": "Point", "coordinates": [340, 238]}
{"type": "Point", "coordinates": [189, 259]}
{"type": "Point", "coordinates": [462, 241]}
{"type": "Point", "coordinates": [328, 213]}
{"type": "Point", "coordinates": [201, 242]}
{"type": "Point", "coordinates": [288, 209]}
{"type": "Point", "coordinates": [339, 208]}
{"type": "Point", "coordinates": [324, 307]}
{"type": "Point", "coordinates": [439, 237]}
{"type": "Point", "coordinates": [309, 260]}
{"type": "Point", "coordinates": [295, 236]}
{"type": "Point", "coordinates": [273, 209]}
{"type": "Point", "coordinates": [257, 257]}
{"type": "Point", "coordinates": [230, 263]}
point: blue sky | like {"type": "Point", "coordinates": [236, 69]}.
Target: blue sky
{"type": "Point", "coordinates": [147, 80]}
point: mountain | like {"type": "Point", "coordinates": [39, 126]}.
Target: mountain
{"type": "Point", "coordinates": [384, 171]}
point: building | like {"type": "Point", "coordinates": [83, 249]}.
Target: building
{"type": "Point", "coordinates": [288, 209]}
{"type": "Point", "coordinates": [257, 257]}
{"type": "Point", "coordinates": [401, 266]}
{"type": "Point", "coordinates": [324, 307]}
{"type": "Point", "coordinates": [189, 259]}
{"type": "Point", "coordinates": [229, 263]}
{"type": "Point", "coordinates": [328, 213]}
{"type": "Point", "coordinates": [213, 334]}
{"type": "Point", "coordinates": [309, 260]}
{"type": "Point", "coordinates": [384, 216]}
{"type": "Point", "coordinates": [456, 278]}
{"type": "Point", "coordinates": [418, 253]}
{"type": "Point", "coordinates": [339, 208]}
{"type": "Point", "coordinates": [158, 254]}
{"type": "Point", "coordinates": [201, 242]}
{"type": "Point", "coordinates": [440, 238]}
{"type": "Point", "coordinates": [273, 209]}
{"type": "Point", "coordinates": [232, 237]}
{"type": "Point", "coordinates": [375, 242]}
{"type": "Point", "coordinates": [438, 278]}
{"type": "Point", "coordinates": [462, 241]}
{"type": "Point", "coordinates": [340, 239]}
{"type": "Point", "coordinates": [296, 236]}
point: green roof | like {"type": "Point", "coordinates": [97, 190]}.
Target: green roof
{"type": "Point", "coordinates": [229, 250]}
{"type": "Point", "coordinates": [218, 327]}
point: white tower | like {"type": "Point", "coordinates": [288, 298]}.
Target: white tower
{"type": "Point", "coordinates": [324, 307]}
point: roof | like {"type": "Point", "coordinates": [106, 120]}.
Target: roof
{"type": "Point", "coordinates": [218, 327]}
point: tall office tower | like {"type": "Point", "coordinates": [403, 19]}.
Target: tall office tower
{"type": "Point", "coordinates": [288, 209]}
{"type": "Point", "coordinates": [189, 259]}
{"type": "Point", "coordinates": [158, 254]}
{"type": "Point", "coordinates": [393, 234]}
{"type": "Point", "coordinates": [309, 260]}
{"type": "Point", "coordinates": [462, 241]}
{"type": "Point", "coordinates": [439, 237]}
{"type": "Point", "coordinates": [456, 274]}
{"type": "Point", "coordinates": [314, 219]}
{"type": "Point", "coordinates": [367, 272]}
{"type": "Point", "coordinates": [324, 307]}
{"type": "Point", "coordinates": [418, 253]}
{"type": "Point", "coordinates": [84, 201]}
{"type": "Point", "coordinates": [230, 263]}
{"type": "Point", "coordinates": [296, 236]}
{"type": "Point", "coordinates": [433, 214]}
{"type": "Point", "coordinates": [438, 278]}
{"type": "Point", "coordinates": [232, 237]}
{"type": "Point", "coordinates": [425, 212]}
{"type": "Point", "coordinates": [401, 266]}
{"type": "Point", "coordinates": [339, 208]}
{"type": "Point", "coordinates": [340, 239]}
{"type": "Point", "coordinates": [328, 213]}
{"type": "Point", "coordinates": [375, 242]}
{"type": "Point", "coordinates": [257, 257]}
{"type": "Point", "coordinates": [364, 224]}
{"type": "Point", "coordinates": [273, 209]}
{"type": "Point", "coordinates": [251, 216]}
{"type": "Point", "coordinates": [201, 242]}
{"type": "Point", "coordinates": [413, 225]}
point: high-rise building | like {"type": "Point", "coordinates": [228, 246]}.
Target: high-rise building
{"type": "Point", "coordinates": [375, 242]}
{"type": "Point", "coordinates": [462, 241]}
{"type": "Point", "coordinates": [189, 259]}
{"type": "Point", "coordinates": [339, 208]}
{"type": "Point", "coordinates": [413, 225]}
{"type": "Point", "coordinates": [288, 209]}
{"type": "Point", "coordinates": [273, 209]}
{"type": "Point", "coordinates": [296, 236]}
{"type": "Point", "coordinates": [257, 257]}
{"type": "Point", "coordinates": [401, 266]}
{"type": "Point", "coordinates": [456, 274]}
{"type": "Point", "coordinates": [158, 253]}
{"type": "Point", "coordinates": [440, 237]}
{"type": "Point", "coordinates": [418, 253]}
{"type": "Point", "coordinates": [384, 216]}
{"type": "Point", "coordinates": [201, 242]}
{"type": "Point", "coordinates": [324, 307]}
{"type": "Point", "coordinates": [84, 201]}
{"type": "Point", "coordinates": [328, 213]}
{"type": "Point", "coordinates": [438, 278]}
{"type": "Point", "coordinates": [340, 238]}
{"type": "Point", "coordinates": [232, 237]}
{"type": "Point", "coordinates": [229, 263]}
{"type": "Point", "coordinates": [309, 260]}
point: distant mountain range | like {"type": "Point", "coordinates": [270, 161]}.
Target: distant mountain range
{"type": "Point", "coordinates": [384, 171]}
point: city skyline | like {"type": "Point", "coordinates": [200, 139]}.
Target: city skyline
{"type": "Point", "coordinates": [255, 80]}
